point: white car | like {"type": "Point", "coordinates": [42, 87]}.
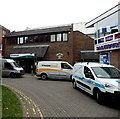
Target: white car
{"type": "Point", "coordinates": [97, 79]}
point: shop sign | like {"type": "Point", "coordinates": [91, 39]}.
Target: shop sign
{"type": "Point", "coordinates": [111, 42]}
{"type": "Point", "coordinates": [109, 38]}
{"type": "Point", "coordinates": [108, 46]}
{"type": "Point", "coordinates": [21, 55]}
{"type": "Point", "coordinates": [105, 58]}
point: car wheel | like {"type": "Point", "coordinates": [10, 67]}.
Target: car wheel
{"type": "Point", "coordinates": [43, 76]}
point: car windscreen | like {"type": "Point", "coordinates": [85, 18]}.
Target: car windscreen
{"type": "Point", "coordinates": [106, 72]}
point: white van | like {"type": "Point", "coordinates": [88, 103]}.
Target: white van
{"type": "Point", "coordinates": [54, 70]}
{"type": "Point", "coordinates": [11, 68]}
{"type": "Point", "coordinates": [99, 80]}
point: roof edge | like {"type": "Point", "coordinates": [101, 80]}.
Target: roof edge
{"type": "Point", "coordinates": [107, 13]}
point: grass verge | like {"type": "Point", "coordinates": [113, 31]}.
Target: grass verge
{"type": "Point", "coordinates": [11, 106]}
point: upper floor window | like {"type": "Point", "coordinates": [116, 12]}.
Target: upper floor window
{"type": "Point", "coordinates": [3, 33]}
{"type": "Point", "coordinates": [43, 38]}
{"type": "Point", "coordinates": [26, 39]}
{"type": "Point", "coordinates": [52, 38]}
{"type": "Point", "coordinates": [65, 37]}
{"type": "Point", "coordinates": [20, 40]}
{"type": "Point", "coordinates": [59, 37]}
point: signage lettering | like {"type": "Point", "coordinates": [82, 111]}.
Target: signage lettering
{"type": "Point", "coordinates": [108, 46]}
{"type": "Point", "coordinates": [109, 38]}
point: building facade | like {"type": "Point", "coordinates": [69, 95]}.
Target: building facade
{"type": "Point", "coordinates": [54, 43]}
{"type": "Point", "coordinates": [81, 26]}
{"type": "Point", "coordinates": [107, 36]}
{"type": "Point", "coordinates": [3, 31]}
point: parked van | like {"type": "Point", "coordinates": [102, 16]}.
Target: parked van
{"type": "Point", "coordinates": [11, 68]}
{"type": "Point", "coordinates": [99, 80]}
{"type": "Point", "coordinates": [54, 70]}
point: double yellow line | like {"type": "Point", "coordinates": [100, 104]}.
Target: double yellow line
{"type": "Point", "coordinates": [35, 108]}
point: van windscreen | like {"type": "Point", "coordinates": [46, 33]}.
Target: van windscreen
{"type": "Point", "coordinates": [106, 72]}
{"type": "Point", "coordinates": [15, 64]}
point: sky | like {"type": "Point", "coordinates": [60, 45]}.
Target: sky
{"type": "Point", "coordinates": [19, 14]}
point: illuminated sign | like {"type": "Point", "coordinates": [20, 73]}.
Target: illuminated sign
{"type": "Point", "coordinates": [108, 46]}
{"type": "Point", "coordinates": [109, 42]}
{"type": "Point", "coordinates": [109, 38]}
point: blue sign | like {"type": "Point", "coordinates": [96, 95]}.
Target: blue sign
{"type": "Point", "coordinates": [105, 58]}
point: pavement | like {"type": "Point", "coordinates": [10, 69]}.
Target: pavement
{"type": "Point", "coordinates": [55, 98]}
{"type": "Point", "coordinates": [30, 109]}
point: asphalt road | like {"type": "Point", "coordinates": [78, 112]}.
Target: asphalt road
{"type": "Point", "coordinates": [58, 99]}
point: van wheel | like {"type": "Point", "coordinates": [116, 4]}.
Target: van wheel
{"type": "Point", "coordinates": [13, 75]}
{"type": "Point", "coordinates": [43, 76]}
{"type": "Point", "coordinates": [70, 77]}
{"type": "Point", "coordinates": [99, 97]}
{"type": "Point", "coordinates": [74, 84]}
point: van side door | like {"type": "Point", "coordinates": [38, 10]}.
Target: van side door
{"type": "Point", "coordinates": [88, 80]}
{"type": "Point", "coordinates": [66, 70]}
{"type": "Point", "coordinates": [7, 69]}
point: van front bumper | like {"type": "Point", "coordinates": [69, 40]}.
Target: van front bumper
{"type": "Point", "coordinates": [22, 72]}
{"type": "Point", "coordinates": [116, 94]}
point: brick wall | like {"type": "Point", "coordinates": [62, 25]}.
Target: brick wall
{"type": "Point", "coordinates": [81, 42]}
{"type": "Point", "coordinates": [115, 58]}
{"type": "Point", "coordinates": [66, 48]}
{"type": "Point", "coordinates": [70, 49]}
{"type": "Point", "coordinates": [1, 35]}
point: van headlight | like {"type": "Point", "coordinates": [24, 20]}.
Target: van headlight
{"type": "Point", "coordinates": [107, 85]}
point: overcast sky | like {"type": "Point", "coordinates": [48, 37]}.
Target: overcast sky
{"type": "Point", "coordinates": [19, 14]}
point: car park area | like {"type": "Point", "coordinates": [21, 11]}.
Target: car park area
{"type": "Point", "coordinates": [57, 98]}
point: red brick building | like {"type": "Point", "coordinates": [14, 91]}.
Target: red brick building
{"type": "Point", "coordinates": [30, 46]}
{"type": "Point", "coordinates": [3, 31]}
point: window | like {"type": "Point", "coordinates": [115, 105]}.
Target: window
{"type": "Point", "coordinates": [88, 73]}
{"type": "Point", "coordinates": [95, 42]}
{"type": "Point", "coordinates": [101, 40]}
{"type": "Point", "coordinates": [117, 35]}
{"type": "Point", "coordinates": [4, 33]}
{"type": "Point", "coordinates": [52, 38]}
{"type": "Point", "coordinates": [20, 40]}
{"type": "Point", "coordinates": [59, 37]}
{"type": "Point", "coordinates": [64, 36]}
{"type": "Point", "coordinates": [0, 46]}
{"type": "Point", "coordinates": [8, 66]}
{"type": "Point", "coordinates": [65, 66]}
{"type": "Point", "coordinates": [26, 38]}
